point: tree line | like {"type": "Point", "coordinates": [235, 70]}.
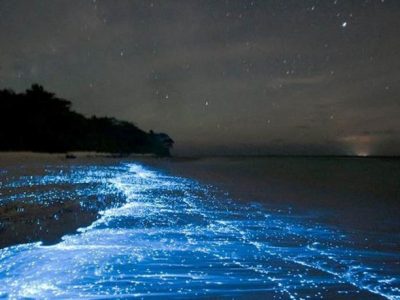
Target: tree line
{"type": "Point", "coordinates": [37, 120]}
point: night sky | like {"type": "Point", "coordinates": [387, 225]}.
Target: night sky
{"type": "Point", "coordinates": [221, 77]}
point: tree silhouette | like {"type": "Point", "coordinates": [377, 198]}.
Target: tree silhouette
{"type": "Point", "coordinates": [37, 120]}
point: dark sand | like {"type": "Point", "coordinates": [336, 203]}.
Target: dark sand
{"type": "Point", "coordinates": [22, 223]}
{"type": "Point", "coordinates": [30, 220]}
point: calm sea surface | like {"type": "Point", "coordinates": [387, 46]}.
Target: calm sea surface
{"type": "Point", "coordinates": [277, 228]}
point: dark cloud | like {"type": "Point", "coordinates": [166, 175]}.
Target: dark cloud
{"type": "Point", "coordinates": [220, 76]}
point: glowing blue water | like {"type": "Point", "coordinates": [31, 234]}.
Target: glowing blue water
{"type": "Point", "coordinates": [172, 237]}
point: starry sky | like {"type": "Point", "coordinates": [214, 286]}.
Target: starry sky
{"type": "Point", "coordinates": [220, 77]}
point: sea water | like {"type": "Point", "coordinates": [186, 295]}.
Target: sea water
{"type": "Point", "coordinates": [174, 237]}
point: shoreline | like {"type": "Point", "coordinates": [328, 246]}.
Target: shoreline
{"type": "Point", "coordinates": [303, 184]}
{"type": "Point", "coordinates": [94, 154]}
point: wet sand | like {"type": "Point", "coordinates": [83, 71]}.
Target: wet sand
{"type": "Point", "coordinates": [26, 217]}
{"type": "Point", "coordinates": [22, 223]}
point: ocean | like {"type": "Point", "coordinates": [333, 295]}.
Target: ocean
{"type": "Point", "coordinates": [242, 228]}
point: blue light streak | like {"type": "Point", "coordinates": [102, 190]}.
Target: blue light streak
{"type": "Point", "coordinates": [173, 237]}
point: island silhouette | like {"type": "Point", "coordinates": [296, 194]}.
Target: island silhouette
{"type": "Point", "coordinates": [37, 120]}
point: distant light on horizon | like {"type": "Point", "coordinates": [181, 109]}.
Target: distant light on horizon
{"type": "Point", "coordinates": [362, 153]}
{"type": "Point", "coordinates": [360, 145]}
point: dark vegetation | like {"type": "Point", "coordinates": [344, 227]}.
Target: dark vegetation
{"type": "Point", "coordinates": [39, 121]}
